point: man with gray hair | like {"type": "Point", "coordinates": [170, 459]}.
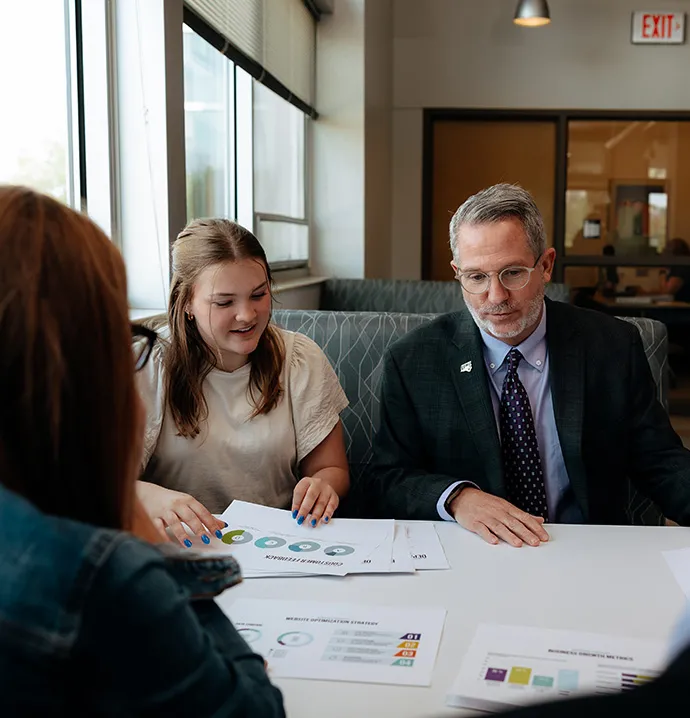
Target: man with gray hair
{"type": "Point", "coordinates": [520, 410]}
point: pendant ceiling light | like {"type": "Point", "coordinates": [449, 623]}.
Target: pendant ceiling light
{"type": "Point", "coordinates": [532, 13]}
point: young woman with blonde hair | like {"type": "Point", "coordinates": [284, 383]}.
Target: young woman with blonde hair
{"type": "Point", "coordinates": [93, 621]}
{"type": "Point", "coordinates": [237, 407]}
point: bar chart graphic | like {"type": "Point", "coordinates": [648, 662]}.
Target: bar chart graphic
{"type": "Point", "coordinates": [517, 665]}
{"type": "Point", "coordinates": [613, 679]}
{"type": "Point", "coordinates": [535, 674]}
{"type": "Point", "coordinates": [632, 680]}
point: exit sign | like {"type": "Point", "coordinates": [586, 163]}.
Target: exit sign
{"type": "Point", "coordinates": [655, 28]}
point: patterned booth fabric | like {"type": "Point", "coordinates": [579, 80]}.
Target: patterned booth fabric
{"type": "Point", "coordinates": [355, 343]}
{"type": "Point", "coordinates": [403, 295]}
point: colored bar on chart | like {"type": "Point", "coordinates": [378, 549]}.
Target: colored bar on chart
{"type": "Point", "coordinates": [543, 681]}
{"type": "Point", "coordinates": [496, 674]}
{"type": "Point", "coordinates": [631, 680]}
{"type": "Point", "coordinates": [520, 675]}
{"type": "Point", "coordinates": [568, 680]}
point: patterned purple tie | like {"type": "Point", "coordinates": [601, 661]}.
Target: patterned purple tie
{"type": "Point", "coordinates": [524, 475]}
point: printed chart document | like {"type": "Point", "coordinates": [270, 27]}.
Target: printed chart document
{"type": "Point", "coordinates": [679, 563]}
{"type": "Point", "coordinates": [268, 543]}
{"type": "Point", "coordinates": [267, 539]}
{"type": "Point", "coordinates": [515, 665]}
{"type": "Point", "coordinates": [342, 642]}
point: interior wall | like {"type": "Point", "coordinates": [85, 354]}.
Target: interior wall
{"type": "Point", "coordinates": [378, 95]}
{"type": "Point", "coordinates": [337, 190]}
{"type": "Point", "coordinates": [469, 54]}
{"type": "Point", "coordinates": [406, 174]}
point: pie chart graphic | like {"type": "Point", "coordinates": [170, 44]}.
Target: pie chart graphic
{"type": "Point", "coordinates": [304, 546]}
{"type": "Point", "coordinates": [250, 634]}
{"type": "Point", "coordinates": [339, 550]}
{"type": "Point", "coordinates": [237, 536]}
{"type": "Point", "coordinates": [270, 542]}
{"type": "Point", "coordinates": [295, 639]}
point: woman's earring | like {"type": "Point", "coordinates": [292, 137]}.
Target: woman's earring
{"type": "Point", "coordinates": [190, 316]}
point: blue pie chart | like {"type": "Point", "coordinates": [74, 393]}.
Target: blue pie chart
{"type": "Point", "coordinates": [270, 542]}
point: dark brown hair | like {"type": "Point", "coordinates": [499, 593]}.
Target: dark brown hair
{"type": "Point", "coordinates": [188, 360]}
{"type": "Point", "coordinates": [68, 399]}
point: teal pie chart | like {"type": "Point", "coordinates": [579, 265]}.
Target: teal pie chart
{"type": "Point", "coordinates": [270, 542]}
{"type": "Point", "coordinates": [339, 550]}
{"type": "Point", "coordinates": [295, 639]}
{"type": "Point", "coordinates": [304, 546]}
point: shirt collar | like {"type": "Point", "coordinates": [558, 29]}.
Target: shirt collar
{"type": "Point", "coordinates": [533, 349]}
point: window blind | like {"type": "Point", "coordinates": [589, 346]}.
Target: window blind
{"type": "Point", "coordinates": [279, 35]}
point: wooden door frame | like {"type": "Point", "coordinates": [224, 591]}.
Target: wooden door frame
{"type": "Point", "coordinates": [560, 118]}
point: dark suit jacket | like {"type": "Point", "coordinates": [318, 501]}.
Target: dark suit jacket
{"type": "Point", "coordinates": [666, 696]}
{"type": "Point", "coordinates": [438, 424]}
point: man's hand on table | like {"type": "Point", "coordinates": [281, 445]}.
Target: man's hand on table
{"type": "Point", "coordinates": [495, 519]}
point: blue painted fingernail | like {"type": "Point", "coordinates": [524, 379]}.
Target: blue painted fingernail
{"type": "Point", "coordinates": [205, 539]}
{"type": "Point", "coordinates": [219, 534]}
{"type": "Point", "coordinates": [188, 543]}
{"type": "Point", "coordinates": [326, 519]}
{"type": "Point", "coordinates": [294, 514]}
{"type": "Point", "coordinates": [313, 522]}
{"type": "Point", "coordinates": [225, 524]}
{"type": "Point", "coordinates": [300, 520]}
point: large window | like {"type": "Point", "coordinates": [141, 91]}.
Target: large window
{"type": "Point", "coordinates": [279, 178]}
{"type": "Point", "coordinates": [245, 153]}
{"type": "Point", "coordinates": [38, 142]}
{"type": "Point", "coordinates": [209, 113]}
{"type": "Point", "coordinates": [278, 155]}
{"type": "Point", "coordinates": [96, 113]}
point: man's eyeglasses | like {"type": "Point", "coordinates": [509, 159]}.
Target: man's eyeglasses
{"type": "Point", "coordinates": [143, 340]}
{"type": "Point", "coordinates": [512, 278]}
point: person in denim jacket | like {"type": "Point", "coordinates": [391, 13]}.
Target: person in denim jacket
{"type": "Point", "coordinates": [94, 619]}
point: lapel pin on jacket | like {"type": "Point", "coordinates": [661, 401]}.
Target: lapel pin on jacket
{"type": "Point", "coordinates": [467, 366]}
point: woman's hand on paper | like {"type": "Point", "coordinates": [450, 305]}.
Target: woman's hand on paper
{"type": "Point", "coordinates": [314, 501]}
{"type": "Point", "coordinates": [167, 509]}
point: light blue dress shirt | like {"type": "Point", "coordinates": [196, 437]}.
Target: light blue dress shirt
{"type": "Point", "coordinates": [533, 371]}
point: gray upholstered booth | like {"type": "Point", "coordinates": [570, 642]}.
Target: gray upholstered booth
{"type": "Point", "coordinates": [403, 295]}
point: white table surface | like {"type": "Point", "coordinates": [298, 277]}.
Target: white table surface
{"type": "Point", "coordinates": [605, 579]}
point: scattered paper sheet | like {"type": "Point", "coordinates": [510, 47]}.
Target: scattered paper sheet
{"type": "Point", "coordinates": [679, 563]}
{"type": "Point", "coordinates": [515, 665]}
{"type": "Point", "coordinates": [425, 546]}
{"type": "Point", "coordinates": [342, 642]}
{"type": "Point", "coordinates": [383, 560]}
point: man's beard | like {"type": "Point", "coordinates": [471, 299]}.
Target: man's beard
{"type": "Point", "coordinates": [528, 320]}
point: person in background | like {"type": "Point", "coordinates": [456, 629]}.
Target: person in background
{"type": "Point", "coordinates": [609, 279]}
{"type": "Point", "coordinates": [95, 619]}
{"type": "Point", "coordinates": [237, 408]}
{"type": "Point", "coordinates": [677, 279]}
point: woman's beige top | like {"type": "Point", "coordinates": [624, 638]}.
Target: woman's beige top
{"type": "Point", "coordinates": [235, 456]}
